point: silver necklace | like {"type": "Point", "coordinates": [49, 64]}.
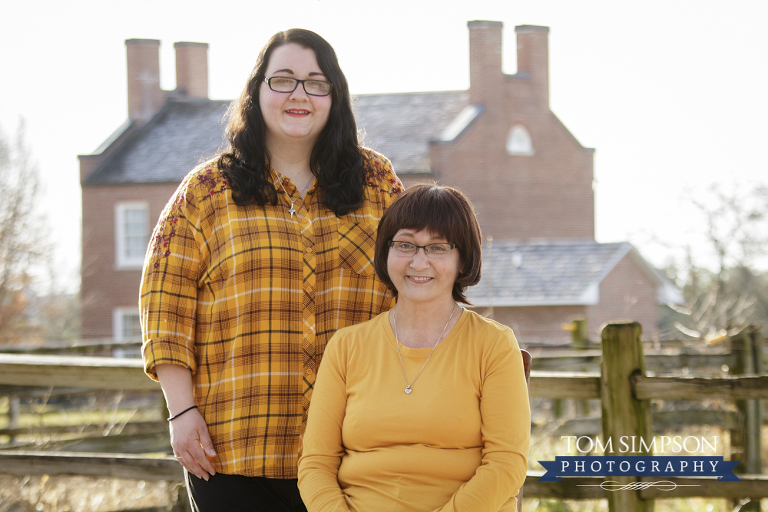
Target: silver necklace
{"type": "Point", "coordinates": [292, 210]}
{"type": "Point", "coordinates": [408, 388]}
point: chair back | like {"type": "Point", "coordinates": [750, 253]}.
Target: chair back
{"type": "Point", "coordinates": [527, 359]}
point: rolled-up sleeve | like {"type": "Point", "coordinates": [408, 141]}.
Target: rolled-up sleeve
{"type": "Point", "coordinates": [169, 287]}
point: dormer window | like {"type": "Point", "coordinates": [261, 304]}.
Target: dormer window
{"type": "Point", "coordinates": [519, 141]}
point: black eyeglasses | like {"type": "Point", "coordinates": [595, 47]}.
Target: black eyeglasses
{"type": "Point", "coordinates": [407, 248]}
{"type": "Point", "coordinates": [286, 84]}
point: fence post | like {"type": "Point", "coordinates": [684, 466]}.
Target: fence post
{"type": "Point", "coordinates": [579, 334]}
{"type": "Point", "coordinates": [578, 330]}
{"type": "Point", "coordinates": [745, 442]}
{"type": "Point", "coordinates": [622, 413]}
{"type": "Point", "coordinates": [14, 411]}
{"type": "Point", "coordinates": [754, 407]}
{"type": "Point", "coordinates": [747, 347]}
{"type": "Point", "coordinates": [580, 339]}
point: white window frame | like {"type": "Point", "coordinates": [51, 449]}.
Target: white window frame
{"type": "Point", "coordinates": [519, 141]}
{"type": "Point", "coordinates": [118, 323]}
{"type": "Point", "coordinates": [122, 261]}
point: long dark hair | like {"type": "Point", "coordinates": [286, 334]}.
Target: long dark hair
{"type": "Point", "coordinates": [336, 159]}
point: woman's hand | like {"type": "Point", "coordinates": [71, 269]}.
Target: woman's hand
{"type": "Point", "coordinates": [192, 445]}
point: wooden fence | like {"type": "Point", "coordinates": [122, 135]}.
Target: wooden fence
{"type": "Point", "coordinates": [623, 385]}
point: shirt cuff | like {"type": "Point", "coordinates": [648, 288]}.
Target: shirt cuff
{"type": "Point", "coordinates": [167, 351]}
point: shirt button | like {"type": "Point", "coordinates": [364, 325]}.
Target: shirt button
{"type": "Point", "coordinates": [309, 250]}
{"type": "Point", "coordinates": [304, 220]}
{"type": "Point", "coordinates": [309, 371]}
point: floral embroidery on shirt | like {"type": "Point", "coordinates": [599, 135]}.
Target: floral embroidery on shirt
{"type": "Point", "coordinates": [380, 174]}
{"type": "Point", "coordinates": [214, 182]}
{"type": "Point", "coordinates": [211, 180]}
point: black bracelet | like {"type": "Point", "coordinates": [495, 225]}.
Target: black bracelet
{"type": "Point", "coordinates": [182, 412]}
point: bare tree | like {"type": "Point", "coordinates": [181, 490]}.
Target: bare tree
{"type": "Point", "coordinates": [727, 298]}
{"type": "Point", "coordinates": [22, 241]}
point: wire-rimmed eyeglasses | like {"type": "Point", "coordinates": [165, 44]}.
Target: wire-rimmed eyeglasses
{"type": "Point", "coordinates": [287, 84]}
{"type": "Point", "coordinates": [407, 248]}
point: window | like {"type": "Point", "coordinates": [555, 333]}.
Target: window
{"type": "Point", "coordinates": [126, 324]}
{"type": "Point", "coordinates": [131, 234]}
{"type": "Point", "coordinates": [519, 141]}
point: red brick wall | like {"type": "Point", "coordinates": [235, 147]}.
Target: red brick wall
{"type": "Point", "coordinates": [548, 195]}
{"type": "Point", "coordinates": [627, 293]}
{"type": "Point", "coordinates": [537, 324]}
{"type": "Point", "coordinates": [104, 286]}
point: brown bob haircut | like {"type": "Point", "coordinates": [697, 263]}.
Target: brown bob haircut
{"type": "Point", "coordinates": [443, 211]}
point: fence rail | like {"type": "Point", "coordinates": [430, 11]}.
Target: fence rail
{"type": "Point", "coordinates": [694, 388]}
{"type": "Point", "coordinates": [589, 361]}
{"type": "Point", "coordinates": [74, 371]}
{"type": "Point", "coordinates": [128, 375]}
{"type": "Point", "coordinates": [564, 385]}
{"type": "Point", "coordinates": [101, 465]}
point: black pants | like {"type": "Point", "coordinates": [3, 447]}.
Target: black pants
{"type": "Point", "coordinates": [237, 493]}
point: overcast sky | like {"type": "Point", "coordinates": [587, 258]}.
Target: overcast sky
{"type": "Point", "coordinates": [671, 93]}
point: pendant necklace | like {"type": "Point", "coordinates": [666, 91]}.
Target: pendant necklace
{"type": "Point", "coordinates": [292, 210]}
{"type": "Point", "coordinates": [408, 388]}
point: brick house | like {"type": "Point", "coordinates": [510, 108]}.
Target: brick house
{"type": "Point", "coordinates": [499, 142]}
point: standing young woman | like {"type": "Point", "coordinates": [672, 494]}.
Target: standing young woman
{"type": "Point", "coordinates": [258, 258]}
{"type": "Point", "coordinates": [425, 407]}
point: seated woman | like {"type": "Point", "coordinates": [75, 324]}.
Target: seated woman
{"type": "Point", "coordinates": [424, 408]}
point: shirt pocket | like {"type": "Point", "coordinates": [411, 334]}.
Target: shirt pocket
{"type": "Point", "coordinates": [357, 244]}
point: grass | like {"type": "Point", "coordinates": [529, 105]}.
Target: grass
{"type": "Point", "coordinates": [80, 494]}
{"type": "Point", "coordinates": [76, 494]}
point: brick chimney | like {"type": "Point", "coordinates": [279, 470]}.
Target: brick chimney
{"type": "Point", "coordinates": [485, 76]}
{"type": "Point", "coordinates": [533, 59]}
{"type": "Point", "coordinates": [192, 69]}
{"type": "Point", "coordinates": [144, 94]}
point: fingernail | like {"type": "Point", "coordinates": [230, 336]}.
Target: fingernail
{"type": "Point", "coordinates": [211, 452]}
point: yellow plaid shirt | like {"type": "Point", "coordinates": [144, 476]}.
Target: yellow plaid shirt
{"type": "Point", "coordinates": [248, 297]}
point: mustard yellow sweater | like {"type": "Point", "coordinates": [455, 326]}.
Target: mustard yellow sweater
{"type": "Point", "coordinates": [458, 442]}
